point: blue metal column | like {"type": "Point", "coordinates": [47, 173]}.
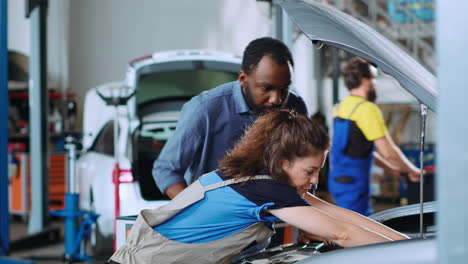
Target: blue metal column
{"type": "Point", "coordinates": [452, 151]}
{"type": "Point", "coordinates": [4, 216]}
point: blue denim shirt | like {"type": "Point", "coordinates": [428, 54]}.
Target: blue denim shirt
{"type": "Point", "coordinates": [209, 125]}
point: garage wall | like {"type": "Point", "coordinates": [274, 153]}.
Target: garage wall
{"type": "Point", "coordinates": [19, 40]}
{"type": "Point", "coordinates": [104, 35]}
{"type": "Point", "coordinates": [18, 27]}
{"type": "Point", "coordinates": [90, 42]}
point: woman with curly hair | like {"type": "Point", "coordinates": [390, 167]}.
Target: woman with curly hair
{"type": "Point", "coordinates": [264, 178]}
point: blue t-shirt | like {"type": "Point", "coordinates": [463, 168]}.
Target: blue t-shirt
{"type": "Point", "coordinates": [209, 126]}
{"type": "Point", "coordinates": [229, 209]}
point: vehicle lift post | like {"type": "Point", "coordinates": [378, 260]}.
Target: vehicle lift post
{"type": "Point", "coordinates": [116, 100]}
{"type": "Point", "coordinates": [75, 239]}
{"type": "Point", "coordinates": [4, 213]}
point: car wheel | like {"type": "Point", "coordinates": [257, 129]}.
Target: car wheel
{"type": "Point", "coordinates": [24, 219]}
{"type": "Point", "coordinates": [99, 244]}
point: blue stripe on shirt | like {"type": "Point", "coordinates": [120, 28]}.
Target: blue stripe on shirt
{"type": "Point", "coordinates": [230, 209]}
{"type": "Point", "coordinates": [221, 213]}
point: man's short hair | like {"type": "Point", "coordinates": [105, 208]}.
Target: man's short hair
{"type": "Point", "coordinates": [355, 70]}
{"type": "Point", "coordinates": [260, 47]}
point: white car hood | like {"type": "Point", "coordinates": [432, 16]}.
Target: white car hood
{"type": "Point", "coordinates": [330, 26]}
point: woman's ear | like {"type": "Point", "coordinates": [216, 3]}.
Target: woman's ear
{"type": "Point", "coordinates": [284, 163]}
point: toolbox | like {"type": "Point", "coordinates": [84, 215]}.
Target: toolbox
{"type": "Point", "coordinates": [20, 183]}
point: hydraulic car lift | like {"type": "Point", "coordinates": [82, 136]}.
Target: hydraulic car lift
{"type": "Point", "coordinates": [117, 98]}
{"type": "Point", "coordinates": [37, 10]}
{"type": "Point", "coordinates": [4, 217]}
{"type": "Point", "coordinates": [4, 214]}
{"type": "Point", "coordinates": [75, 238]}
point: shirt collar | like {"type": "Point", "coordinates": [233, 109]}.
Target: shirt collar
{"type": "Point", "coordinates": [239, 100]}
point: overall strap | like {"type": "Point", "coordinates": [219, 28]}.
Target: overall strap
{"type": "Point", "coordinates": [355, 107]}
{"type": "Point", "coordinates": [234, 181]}
{"type": "Point", "coordinates": [337, 108]}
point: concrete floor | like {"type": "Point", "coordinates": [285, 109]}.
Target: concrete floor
{"type": "Point", "coordinates": [50, 253]}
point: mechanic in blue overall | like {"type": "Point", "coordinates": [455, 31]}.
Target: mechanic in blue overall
{"type": "Point", "coordinates": [227, 212]}
{"type": "Point", "coordinates": [359, 128]}
{"type": "Point", "coordinates": [213, 121]}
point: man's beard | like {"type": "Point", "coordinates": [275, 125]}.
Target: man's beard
{"type": "Point", "coordinates": [372, 96]}
{"type": "Point", "coordinates": [260, 109]}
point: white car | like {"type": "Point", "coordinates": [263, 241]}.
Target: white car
{"type": "Point", "coordinates": [162, 83]}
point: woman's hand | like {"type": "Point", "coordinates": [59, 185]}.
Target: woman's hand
{"type": "Point", "coordinates": [305, 238]}
{"type": "Point", "coordinates": [321, 224]}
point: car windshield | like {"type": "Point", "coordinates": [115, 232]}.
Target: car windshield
{"type": "Point", "coordinates": [179, 84]}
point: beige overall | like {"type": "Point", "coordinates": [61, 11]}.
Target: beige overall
{"type": "Point", "coordinates": [145, 245]}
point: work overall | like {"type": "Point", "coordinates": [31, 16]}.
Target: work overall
{"type": "Point", "coordinates": [349, 178]}
{"type": "Point", "coordinates": [145, 245]}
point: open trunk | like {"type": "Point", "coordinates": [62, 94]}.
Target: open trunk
{"type": "Point", "coordinates": [161, 93]}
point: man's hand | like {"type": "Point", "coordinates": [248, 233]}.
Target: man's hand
{"type": "Point", "coordinates": [397, 173]}
{"type": "Point", "coordinates": [173, 190]}
{"type": "Point", "coordinates": [414, 175]}
{"type": "Point", "coordinates": [306, 238]}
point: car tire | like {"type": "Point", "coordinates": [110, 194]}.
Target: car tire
{"type": "Point", "coordinates": [100, 245]}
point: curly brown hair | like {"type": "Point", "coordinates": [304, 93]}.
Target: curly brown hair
{"type": "Point", "coordinates": [275, 136]}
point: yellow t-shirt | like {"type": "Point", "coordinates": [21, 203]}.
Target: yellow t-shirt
{"type": "Point", "coordinates": [367, 124]}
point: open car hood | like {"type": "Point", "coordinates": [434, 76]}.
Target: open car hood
{"type": "Point", "coordinates": [330, 26]}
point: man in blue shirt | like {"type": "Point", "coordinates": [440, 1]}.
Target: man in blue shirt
{"type": "Point", "coordinates": [213, 121]}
